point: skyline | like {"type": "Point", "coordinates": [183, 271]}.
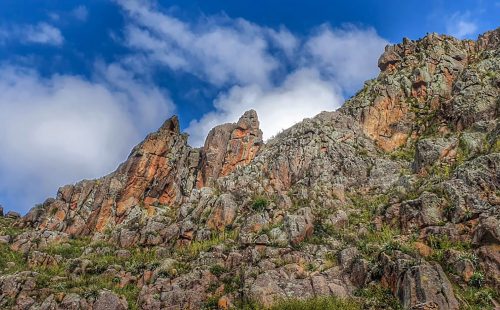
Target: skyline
{"type": "Point", "coordinates": [81, 83]}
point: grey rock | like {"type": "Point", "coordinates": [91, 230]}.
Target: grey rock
{"type": "Point", "coordinates": [347, 257]}
{"type": "Point", "coordinates": [13, 215]}
{"type": "Point", "coordinates": [109, 300]}
{"type": "Point", "coordinates": [488, 232]}
{"type": "Point", "coordinates": [300, 225]}
{"type": "Point", "coordinates": [5, 239]}
{"type": "Point", "coordinates": [431, 150]}
{"type": "Point", "coordinates": [426, 285]}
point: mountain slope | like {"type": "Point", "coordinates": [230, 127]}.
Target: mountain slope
{"type": "Point", "coordinates": [391, 201]}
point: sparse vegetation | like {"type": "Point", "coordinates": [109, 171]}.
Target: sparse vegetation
{"type": "Point", "coordinates": [403, 153]}
{"type": "Point", "coordinates": [377, 297]}
{"type": "Point", "coordinates": [473, 298]}
{"type": "Point", "coordinates": [317, 303]}
{"type": "Point", "coordinates": [193, 249]}
{"type": "Point", "coordinates": [217, 270]}
{"type": "Point", "coordinates": [260, 203]}
{"type": "Point", "coordinates": [440, 244]}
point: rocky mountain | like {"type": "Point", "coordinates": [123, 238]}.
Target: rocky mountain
{"type": "Point", "coordinates": [390, 202]}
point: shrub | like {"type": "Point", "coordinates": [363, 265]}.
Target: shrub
{"type": "Point", "coordinates": [260, 204]}
{"type": "Point", "coordinates": [217, 270]}
{"type": "Point", "coordinates": [477, 279]}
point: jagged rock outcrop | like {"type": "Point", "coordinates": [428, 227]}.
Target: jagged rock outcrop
{"type": "Point", "coordinates": [160, 172]}
{"type": "Point", "coordinates": [392, 199]}
{"type": "Point", "coordinates": [427, 77]}
{"type": "Point", "coordinates": [230, 146]}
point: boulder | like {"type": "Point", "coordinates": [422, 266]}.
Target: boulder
{"type": "Point", "coordinates": [72, 301]}
{"type": "Point", "coordinates": [108, 300]}
{"type": "Point", "coordinates": [431, 150]}
{"type": "Point", "coordinates": [425, 211]}
{"type": "Point", "coordinates": [489, 258]}
{"type": "Point", "coordinates": [13, 215]}
{"type": "Point", "coordinates": [223, 213]}
{"type": "Point", "coordinates": [427, 285]}
{"type": "Point", "coordinates": [299, 225]}
{"type": "Point", "coordinates": [347, 257]}
{"type": "Point", "coordinates": [488, 232]}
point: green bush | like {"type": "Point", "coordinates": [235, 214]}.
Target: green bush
{"type": "Point", "coordinates": [477, 279]}
{"type": "Point", "coordinates": [217, 270]}
{"type": "Point", "coordinates": [260, 204]}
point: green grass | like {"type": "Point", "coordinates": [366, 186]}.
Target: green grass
{"type": "Point", "coordinates": [217, 270]}
{"type": "Point", "coordinates": [140, 260]}
{"type": "Point", "coordinates": [73, 248]}
{"type": "Point", "coordinates": [440, 244]}
{"type": "Point", "coordinates": [317, 303]}
{"type": "Point", "coordinates": [6, 228]}
{"type": "Point", "coordinates": [192, 250]}
{"type": "Point", "coordinates": [6, 256]}
{"type": "Point", "coordinates": [403, 153]}
{"type": "Point", "coordinates": [472, 298]}
{"type": "Point", "coordinates": [477, 279]}
{"type": "Point", "coordinates": [377, 297]}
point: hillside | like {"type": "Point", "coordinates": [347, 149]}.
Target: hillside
{"type": "Point", "coordinates": [390, 202]}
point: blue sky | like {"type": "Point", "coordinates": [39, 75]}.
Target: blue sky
{"type": "Point", "coordinates": [81, 82]}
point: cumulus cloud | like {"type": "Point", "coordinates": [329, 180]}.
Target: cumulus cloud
{"type": "Point", "coordinates": [348, 55]}
{"type": "Point", "coordinates": [217, 49]}
{"type": "Point", "coordinates": [255, 67]}
{"type": "Point", "coordinates": [41, 33]}
{"type": "Point", "coordinates": [460, 25]}
{"type": "Point", "coordinates": [303, 94]}
{"type": "Point", "coordinates": [60, 129]}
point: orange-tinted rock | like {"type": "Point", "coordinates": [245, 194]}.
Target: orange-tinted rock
{"type": "Point", "coordinates": [423, 249]}
{"type": "Point", "coordinates": [380, 119]}
{"type": "Point", "coordinates": [224, 303]}
{"type": "Point", "coordinates": [229, 146]}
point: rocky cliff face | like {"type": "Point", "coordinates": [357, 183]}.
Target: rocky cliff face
{"type": "Point", "coordinates": [392, 201]}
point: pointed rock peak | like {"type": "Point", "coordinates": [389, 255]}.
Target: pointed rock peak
{"type": "Point", "coordinates": [171, 124]}
{"type": "Point", "coordinates": [249, 119]}
{"type": "Point", "coordinates": [249, 124]}
{"type": "Point", "coordinates": [229, 146]}
{"type": "Point", "coordinates": [158, 142]}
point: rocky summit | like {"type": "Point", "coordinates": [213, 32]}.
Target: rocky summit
{"type": "Point", "coordinates": [390, 202]}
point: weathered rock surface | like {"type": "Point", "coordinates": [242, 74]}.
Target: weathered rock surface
{"type": "Point", "coordinates": [396, 192]}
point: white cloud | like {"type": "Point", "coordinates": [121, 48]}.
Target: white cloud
{"type": "Point", "coordinates": [460, 25]}
{"type": "Point", "coordinates": [349, 54]}
{"type": "Point", "coordinates": [41, 33]}
{"type": "Point", "coordinates": [80, 12]}
{"type": "Point", "coordinates": [303, 94]}
{"type": "Point", "coordinates": [254, 67]}
{"type": "Point", "coordinates": [61, 129]}
{"type": "Point", "coordinates": [58, 129]}
{"type": "Point", "coordinates": [218, 49]}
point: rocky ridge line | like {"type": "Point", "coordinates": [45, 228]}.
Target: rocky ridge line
{"type": "Point", "coordinates": [391, 201]}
